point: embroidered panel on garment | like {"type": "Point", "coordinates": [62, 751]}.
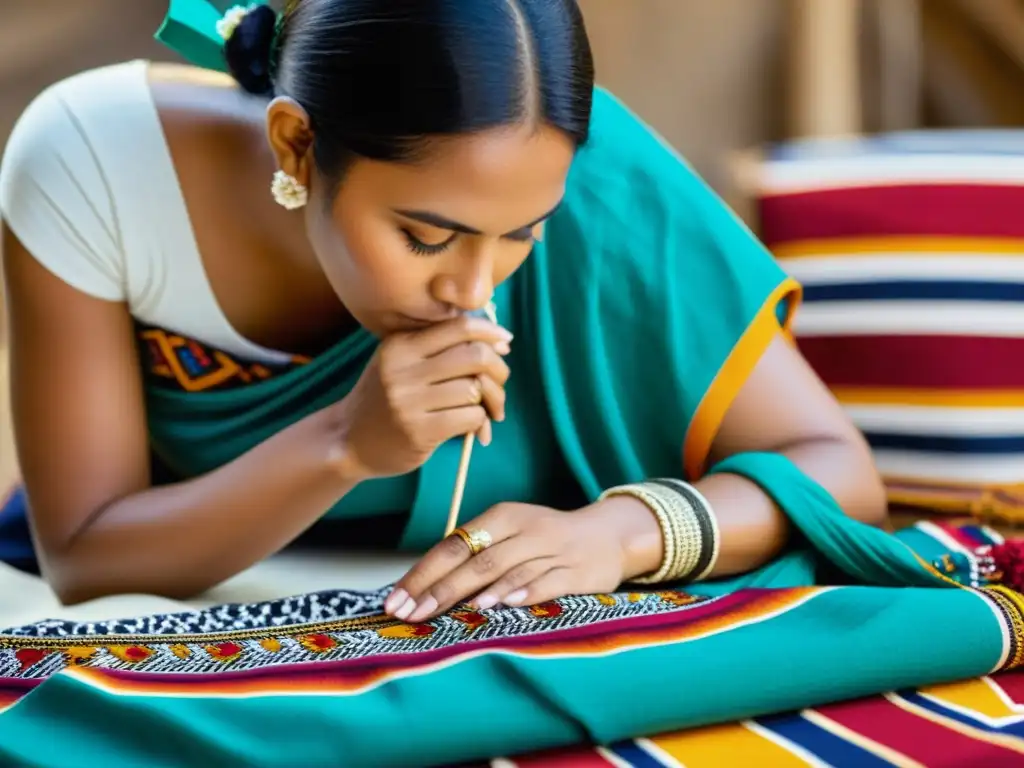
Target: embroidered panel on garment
{"type": "Point", "coordinates": [347, 626]}
{"type": "Point", "coordinates": [182, 363]}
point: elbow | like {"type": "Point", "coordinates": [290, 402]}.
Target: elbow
{"type": "Point", "coordinates": [75, 592]}
{"type": "Point", "coordinates": [844, 464]}
{"type": "Point", "coordinates": [75, 583]}
{"type": "Point", "coordinates": [868, 501]}
{"type": "Point", "coordinates": [71, 585]}
{"type": "Point", "coordinates": [70, 593]}
{"type": "Point", "coordinates": [68, 582]}
{"type": "Point", "coordinates": [872, 505]}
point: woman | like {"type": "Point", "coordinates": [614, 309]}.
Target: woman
{"type": "Point", "coordinates": [429, 158]}
{"type": "Point", "coordinates": [312, 353]}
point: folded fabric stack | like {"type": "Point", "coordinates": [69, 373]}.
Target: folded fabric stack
{"type": "Point", "coordinates": [911, 251]}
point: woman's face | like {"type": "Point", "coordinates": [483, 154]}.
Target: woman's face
{"type": "Point", "coordinates": [407, 245]}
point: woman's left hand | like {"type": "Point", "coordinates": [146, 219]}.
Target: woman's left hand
{"type": "Point", "coordinates": [537, 554]}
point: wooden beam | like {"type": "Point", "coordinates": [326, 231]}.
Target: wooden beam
{"type": "Point", "coordinates": [900, 61]}
{"type": "Point", "coordinates": [824, 74]}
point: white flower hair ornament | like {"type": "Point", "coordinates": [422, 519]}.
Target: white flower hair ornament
{"type": "Point", "coordinates": [232, 18]}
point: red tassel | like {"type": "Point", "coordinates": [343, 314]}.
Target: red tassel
{"type": "Point", "coordinates": [1008, 559]}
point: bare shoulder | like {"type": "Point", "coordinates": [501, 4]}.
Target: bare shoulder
{"type": "Point", "coordinates": [214, 131]}
{"type": "Point", "coordinates": [164, 72]}
{"type": "Point", "coordinates": [178, 88]}
{"type": "Point", "coordinates": [197, 103]}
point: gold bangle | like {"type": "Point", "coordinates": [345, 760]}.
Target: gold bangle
{"type": "Point", "coordinates": [689, 530]}
{"type": "Point", "coordinates": [680, 529]}
{"type": "Point", "coordinates": [657, 508]}
{"type": "Point", "coordinates": [710, 534]}
{"type": "Point", "coordinates": [684, 531]}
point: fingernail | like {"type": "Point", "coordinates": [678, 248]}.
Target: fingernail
{"type": "Point", "coordinates": [407, 607]}
{"type": "Point", "coordinates": [503, 347]}
{"type": "Point", "coordinates": [506, 334]}
{"type": "Point", "coordinates": [486, 601]}
{"type": "Point", "coordinates": [395, 599]}
{"type": "Point", "coordinates": [426, 608]}
{"type": "Point", "coordinates": [516, 597]}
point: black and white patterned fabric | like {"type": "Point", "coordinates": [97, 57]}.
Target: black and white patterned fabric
{"type": "Point", "coordinates": [313, 607]}
{"type": "Point", "coordinates": [345, 639]}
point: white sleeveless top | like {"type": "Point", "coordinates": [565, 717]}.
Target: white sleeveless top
{"type": "Point", "coordinates": [88, 185]}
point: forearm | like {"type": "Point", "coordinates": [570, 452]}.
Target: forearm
{"type": "Point", "coordinates": [182, 539]}
{"type": "Point", "coordinates": [753, 530]}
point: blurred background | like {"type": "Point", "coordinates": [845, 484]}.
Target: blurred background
{"type": "Point", "coordinates": [714, 76]}
{"type": "Point", "coordinates": [719, 78]}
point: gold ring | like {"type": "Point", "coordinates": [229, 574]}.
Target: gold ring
{"type": "Point", "coordinates": [477, 540]}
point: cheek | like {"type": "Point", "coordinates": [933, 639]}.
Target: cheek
{"type": "Point", "coordinates": [365, 261]}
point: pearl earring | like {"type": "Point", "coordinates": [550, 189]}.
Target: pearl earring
{"type": "Point", "coordinates": [288, 192]}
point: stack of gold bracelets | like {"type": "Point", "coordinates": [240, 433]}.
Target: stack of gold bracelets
{"type": "Point", "coordinates": [688, 528]}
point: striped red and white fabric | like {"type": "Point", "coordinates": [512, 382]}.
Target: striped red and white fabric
{"type": "Point", "coordinates": [910, 248]}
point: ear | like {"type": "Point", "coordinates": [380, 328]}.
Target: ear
{"type": "Point", "coordinates": [291, 138]}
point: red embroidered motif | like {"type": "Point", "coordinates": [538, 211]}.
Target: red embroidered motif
{"type": "Point", "coordinates": [318, 643]}
{"type": "Point", "coordinates": [28, 657]}
{"type": "Point", "coordinates": [134, 653]}
{"type": "Point", "coordinates": [224, 651]}
{"type": "Point", "coordinates": [471, 619]}
{"type": "Point", "coordinates": [546, 610]}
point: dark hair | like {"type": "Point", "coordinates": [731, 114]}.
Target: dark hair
{"type": "Point", "coordinates": [380, 77]}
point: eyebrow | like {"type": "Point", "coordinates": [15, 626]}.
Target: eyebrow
{"type": "Point", "coordinates": [443, 222]}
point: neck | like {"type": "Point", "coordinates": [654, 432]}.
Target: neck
{"type": "Point", "coordinates": [283, 231]}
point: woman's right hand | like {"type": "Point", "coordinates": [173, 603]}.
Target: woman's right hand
{"type": "Point", "coordinates": [421, 389]}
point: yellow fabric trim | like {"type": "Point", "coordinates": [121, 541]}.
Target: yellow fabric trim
{"type": "Point", "coordinates": [905, 245]}
{"type": "Point", "coordinates": [939, 398]}
{"type": "Point", "coordinates": [734, 373]}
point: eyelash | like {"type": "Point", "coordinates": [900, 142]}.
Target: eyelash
{"type": "Point", "coordinates": [420, 248]}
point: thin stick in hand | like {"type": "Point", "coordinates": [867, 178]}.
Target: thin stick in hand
{"type": "Point", "coordinates": [467, 453]}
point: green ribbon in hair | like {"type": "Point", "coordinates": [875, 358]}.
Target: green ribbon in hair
{"type": "Point", "coordinates": [190, 30]}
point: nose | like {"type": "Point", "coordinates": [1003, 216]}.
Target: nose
{"type": "Point", "coordinates": [469, 284]}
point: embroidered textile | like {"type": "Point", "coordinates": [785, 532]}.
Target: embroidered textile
{"type": "Point", "coordinates": [797, 660]}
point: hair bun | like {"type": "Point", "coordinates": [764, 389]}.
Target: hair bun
{"type": "Point", "coordinates": [249, 48]}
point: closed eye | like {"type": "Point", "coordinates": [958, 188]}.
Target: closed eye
{"type": "Point", "coordinates": [426, 249]}
{"type": "Point", "coordinates": [523, 235]}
